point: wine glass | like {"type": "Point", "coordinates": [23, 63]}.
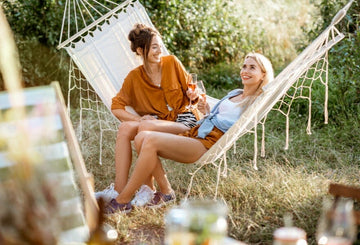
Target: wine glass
{"type": "Point", "coordinates": [192, 86]}
{"type": "Point", "coordinates": [202, 90]}
{"type": "Point", "coordinates": [336, 225]}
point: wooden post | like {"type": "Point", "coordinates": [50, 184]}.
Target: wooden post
{"type": "Point", "coordinates": [86, 179]}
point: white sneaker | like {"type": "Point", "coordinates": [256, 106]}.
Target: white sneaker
{"type": "Point", "coordinates": [107, 194]}
{"type": "Point", "coordinates": [144, 195]}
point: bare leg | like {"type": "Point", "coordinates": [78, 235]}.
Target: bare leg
{"type": "Point", "coordinates": [155, 144]}
{"type": "Point", "coordinates": [158, 173]}
{"type": "Point", "coordinates": [123, 152]}
{"type": "Point", "coordinates": [161, 126]}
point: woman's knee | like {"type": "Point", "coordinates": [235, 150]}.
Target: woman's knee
{"type": "Point", "coordinates": [147, 139]}
{"type": "Point", "coordinates": [128, 130]}
{"type": "Point", "coordinates": [139, 139]}
{"type": "Point", "coordinates": [147, 125]}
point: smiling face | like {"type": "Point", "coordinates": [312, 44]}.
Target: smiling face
{"type": "Point", "coordinates": [155, 50]}
{"type": "Point", "coordinates": [251, 73]}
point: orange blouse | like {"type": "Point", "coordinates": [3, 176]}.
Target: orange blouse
{"type": "Point", "coordinates": [166, 101]}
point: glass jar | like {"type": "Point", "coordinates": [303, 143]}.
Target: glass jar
{"type": "Point", "coordinates": [196, 222]}
{"type": "Point", "coordinates": [177, 228]}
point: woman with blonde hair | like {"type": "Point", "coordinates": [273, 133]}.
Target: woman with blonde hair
{"type": "Point", "coordinates": [188, 147]}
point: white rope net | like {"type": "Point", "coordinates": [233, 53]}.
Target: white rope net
{"type": "Point", "coordinates": [101, 59]}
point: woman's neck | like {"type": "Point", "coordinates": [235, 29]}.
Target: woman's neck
{"type": "Point", "coordinates": [250, 90]}
{"type": "Point", "coordinates": [154, 73]}
{"type": "Point", "coordinates": [153, 68]}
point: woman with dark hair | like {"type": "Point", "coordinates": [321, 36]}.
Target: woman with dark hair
{"type": "Point", "coordinates": [157, 91]}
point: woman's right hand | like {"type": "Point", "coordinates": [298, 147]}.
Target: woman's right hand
{"type": "Point", "coordinates": [192, 95]}
{"type": "Point", "coordinates": [147, 117]}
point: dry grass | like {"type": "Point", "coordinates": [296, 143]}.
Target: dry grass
{"type": "Point", "coordinates": [293, 181]}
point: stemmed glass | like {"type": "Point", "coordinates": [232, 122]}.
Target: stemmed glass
{"type": "Point", "coordinates": [202, 90]}
{"type": "Point", "coordinates": [192, 86]}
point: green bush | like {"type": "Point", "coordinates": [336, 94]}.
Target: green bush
{"type": "Point", "coordinates": [200, 32]}
{"type": "Point", "coordinates": [40, 19]}
{"type": "Point", "coordinates": [344, 62]}
{"type": "Point", "coordinates": [221, 76]}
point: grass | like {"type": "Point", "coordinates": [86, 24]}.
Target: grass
{"type": "Point", "coordinates": [287, 182]}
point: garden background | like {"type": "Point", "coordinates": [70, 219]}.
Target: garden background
{"type": "Point", "coordinates": [211, 37]}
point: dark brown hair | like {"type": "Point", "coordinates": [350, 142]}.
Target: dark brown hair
{"type": "Point", "coordinates": [140, 37]}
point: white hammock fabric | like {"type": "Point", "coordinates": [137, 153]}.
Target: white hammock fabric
{"type": "Point", "coordinates": [101, 52]}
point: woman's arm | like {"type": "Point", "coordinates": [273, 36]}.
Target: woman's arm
{"type": "Point", "coordinates": [124, 115]}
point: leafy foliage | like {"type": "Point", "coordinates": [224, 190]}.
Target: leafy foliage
{"type": "Point", "coordinates": [222, 76]}
{"type": "Point", "coordinates": [36, 18]}
{"type": "Point", "coordinates": [199, 33]}
{"type": "Point", "coordinates": [344, 62]}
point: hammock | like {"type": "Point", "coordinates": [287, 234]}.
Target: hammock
{"type": "Point", "coordinates": [101, 52]}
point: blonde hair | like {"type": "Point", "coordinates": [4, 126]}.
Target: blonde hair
{"type": "Point", "coordinates": [265, 66]}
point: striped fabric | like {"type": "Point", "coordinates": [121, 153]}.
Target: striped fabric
{"type": "Point", "coordinates": [187, 118]}
{"type": "Point", "coordinates": [43, 124]}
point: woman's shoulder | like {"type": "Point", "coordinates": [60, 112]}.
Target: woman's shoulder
{"type": "Point", "coordinates": [136, 69]}
{"type": "Point", "coordinates": [236, 91]}
{"type": "Point", "coordinates": [135, 72]}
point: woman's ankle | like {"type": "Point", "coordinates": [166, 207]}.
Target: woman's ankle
{"type": "Point", "coordinates": [122, 200]}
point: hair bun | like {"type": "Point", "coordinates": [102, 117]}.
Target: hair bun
{"type": "Point", "coordinates": [140, 35]}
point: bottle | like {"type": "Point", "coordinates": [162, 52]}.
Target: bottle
{"type": "Point", "coordinates": [336, 225]}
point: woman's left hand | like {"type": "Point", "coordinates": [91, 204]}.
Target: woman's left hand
{"type": "Point", "coordinates": [203, 106]}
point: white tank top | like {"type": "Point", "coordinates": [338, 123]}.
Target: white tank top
{"type": "Point", "coordinates": [229, 110]}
